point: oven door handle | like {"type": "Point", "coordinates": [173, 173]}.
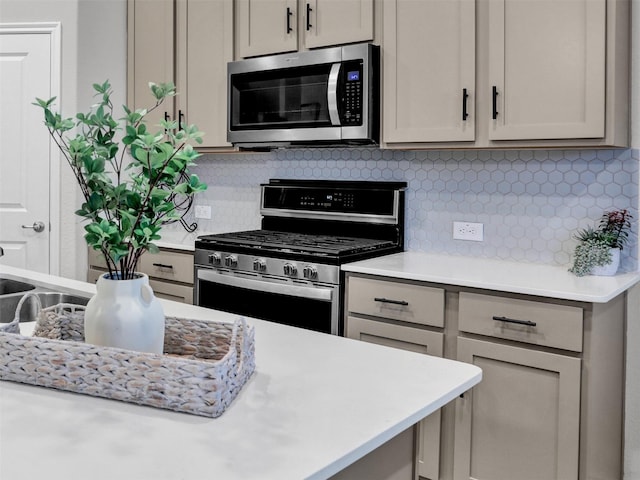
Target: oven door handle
{"type": "Point", "coordinates": [315, 293]}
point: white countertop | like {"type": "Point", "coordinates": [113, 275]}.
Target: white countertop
{"type": "Point", "coordinates": [506, 276]}
{"type": "Point", "coordinates": [315, 404]}
{"type": "Point", "coordinates": [178, 239]}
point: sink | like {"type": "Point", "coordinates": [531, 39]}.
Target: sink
{"type": "Point", "coordinates": [8, 286]}
{"type": "Point", "coordinates": [29, 310]}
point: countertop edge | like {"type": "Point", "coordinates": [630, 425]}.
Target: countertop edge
{"type": "Point", "coordinates": [497, 275]}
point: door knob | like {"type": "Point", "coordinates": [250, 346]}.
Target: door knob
{"type": "Point", "coordinates": [37, 226]}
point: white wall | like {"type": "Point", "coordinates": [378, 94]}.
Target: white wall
{"type": "Point", "coordinates": [94, 36]}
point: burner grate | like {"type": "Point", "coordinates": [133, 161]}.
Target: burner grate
{"type": "Point", "coordinates": [299, 242]}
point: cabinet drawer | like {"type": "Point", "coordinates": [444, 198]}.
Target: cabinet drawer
{"type": "Point", "coordinates": [96, 259]}
{"type": "Point", "coordinates": [539, 323]}
{"type": "Point", "coordinates": [172, 291]}
{"type": "Point", "coordinates": [174, 266]}
{"type": "Point", "coordinates": [398, 301]}
{"type": "Point", "coordinates": [166, 290]}
{"type": "Point", "coordinates": [397, 336]}
{"type": "Point", "coordinates": [167, 265]}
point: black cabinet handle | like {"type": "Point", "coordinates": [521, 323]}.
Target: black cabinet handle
{"type": "Point", "coordinates": [495, 102]}
{"type": "Point", "coordinates": [309, 10]}
{"type": "Point", "coordinates": [162, 265]}
{"type": "Point", "coordinates": [465, 96]}
{"type": "Point", "coordinates": [395, 302]}
{"type": "Point", "coordinates": [528, 323]}
{"type": "Point", "coordinates": [180, 120]}
{"type": "Point", "coordinates": [289, 13]}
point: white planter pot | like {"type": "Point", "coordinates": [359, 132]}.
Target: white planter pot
{"type": "Point", "coordinates": [611, 268]}
{"type": "Point", "coordinates": [125, 314]}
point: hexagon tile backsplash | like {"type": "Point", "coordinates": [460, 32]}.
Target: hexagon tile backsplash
{"type": "Point", "coordinates": [531, 202]}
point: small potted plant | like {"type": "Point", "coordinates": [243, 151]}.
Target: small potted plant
{"type": "Point", "coordinates": [598, 252]}
{"type": "Point", "coordinates": [127, 199]}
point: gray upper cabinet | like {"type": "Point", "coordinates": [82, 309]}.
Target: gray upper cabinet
{"type": "Point", "coordinates": [505, 73]}
{"type": "Point", "coordinates": [151, 53]}
{"type": "Point", "coordinates": [429, 71]}
{"type": "Point", "coordinates": [276, 26]}
{"type": "Point", "coordinates": [187, 42]}
{"type": "Point", "coordinates": [547, 63]}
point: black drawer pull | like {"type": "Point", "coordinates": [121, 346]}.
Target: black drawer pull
{"type": "Point", "coordinates": [494, 92]}
{"type": "Point", "coordinates": [395, 302]}
{"type": "Point", "coordinates": [528, 323]}
{"type": "Point", "coordinates": [162, 265]}
{"type": "Point", "coordinates": [289, 13]}
{"type": "Point", "coordinates": [465, 96]}
{"type": "Point", "coordinates": [309, 10]}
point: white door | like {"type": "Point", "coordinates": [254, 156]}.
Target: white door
{"type": "Point", "coordinates": [26, 72]}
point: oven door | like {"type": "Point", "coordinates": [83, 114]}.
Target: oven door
{"type": "Point", "coordinates": [306, 305]}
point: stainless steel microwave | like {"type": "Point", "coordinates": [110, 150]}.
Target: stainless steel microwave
{"type": "Point", "coordinates": [328, 96]}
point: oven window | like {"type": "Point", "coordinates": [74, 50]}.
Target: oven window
{"type": "Point", "coordinates": [295, 311]}
{"type": "Point", "coordinates": [290, 98]}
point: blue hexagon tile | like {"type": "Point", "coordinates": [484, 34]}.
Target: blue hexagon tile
{"type": "Point", "coordinates": [531, 202]}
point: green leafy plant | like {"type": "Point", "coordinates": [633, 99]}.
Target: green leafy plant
{"type": "Point", "coordinates": [127, 198]}
{"type": "Point", "coordinates": [588, 254]}
{"type": "Point", "coordinates": [594, 249]}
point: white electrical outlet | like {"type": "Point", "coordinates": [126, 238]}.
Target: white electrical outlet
{"type": "Point", "coordinates": [468, 231]}
{"type": "Point", "coordinates": [203, 211]}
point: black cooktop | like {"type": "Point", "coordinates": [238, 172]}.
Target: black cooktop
{"type": "Point", "coordinates": [288, 242]}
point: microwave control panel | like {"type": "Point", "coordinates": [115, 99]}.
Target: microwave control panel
{"type": "Point", "coordinates": [352, 93]}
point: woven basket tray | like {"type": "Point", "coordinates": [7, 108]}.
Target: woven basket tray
{"type": "Point", "coordinates": [204, 365]}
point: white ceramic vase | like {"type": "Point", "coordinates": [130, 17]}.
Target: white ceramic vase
{"type": "Point", "coordinates": [611, 268]}
{"type": "Point", "coordinates": [125, 314]}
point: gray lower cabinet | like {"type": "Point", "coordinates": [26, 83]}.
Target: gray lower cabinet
{"type": "Point", "coordinates": [421, 311]}
{"type": "Point", "coordinates": [414, 340]}
{"type": "Point", "coordinates": [550, 404]}
{"type": "Point", "coordinates": [523, 420]}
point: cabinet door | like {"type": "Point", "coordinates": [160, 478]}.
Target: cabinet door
{"type": "Point", "coordinates": [151, 54]}
{"type": "Point", "coordinates": [266, 26]}
{"type": "Point", "coordinates": [204, 30]}
{"type": "Point", "coordinates": [428, 68]}
{"type": "Point", "coordinates": [414, 340]}
{"type": "Point", "coordinates": [521, 391]}
{"type": "Point", "coordinates": [547, 64]}
{"type": "Point", "coordinates": [335, 22]}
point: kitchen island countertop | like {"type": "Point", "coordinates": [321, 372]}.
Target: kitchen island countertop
{"type": "Point", "coordinates": [498, 275]}
{"type": "Point", "coordinates": [315, 404]}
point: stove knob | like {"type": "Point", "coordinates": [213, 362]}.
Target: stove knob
{"type": "Point", "coordinates": [215, 259]}
{"type": "Point", "coordinates": [290, 270]}
{"type": "Point", "coordinates": [310, 272]}
{"type": "Point", "coordinates": [259, 265]}
{"type": "Point", "coordinates": [231, 261]}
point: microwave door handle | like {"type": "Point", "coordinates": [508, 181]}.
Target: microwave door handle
{"type": "Point", "coordinates": [332, 94]}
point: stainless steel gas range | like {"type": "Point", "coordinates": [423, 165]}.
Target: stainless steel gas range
{"type": "Point", "coordinates": [289, 271]}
